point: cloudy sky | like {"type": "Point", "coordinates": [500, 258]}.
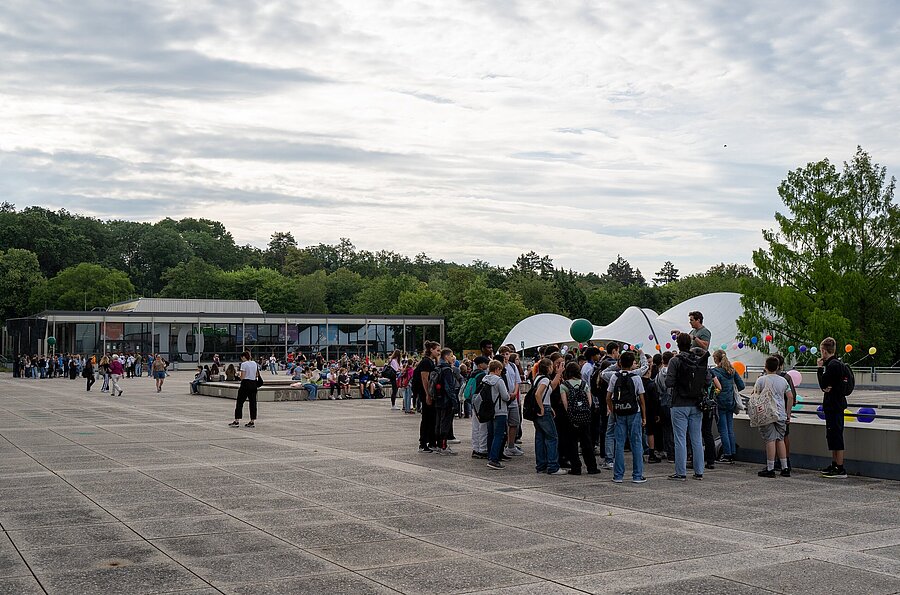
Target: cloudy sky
{"type": "Point", "coordinates": [465, 129]}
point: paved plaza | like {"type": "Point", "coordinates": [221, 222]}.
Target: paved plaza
{"type": "Point", "coordinates": [150, 493]}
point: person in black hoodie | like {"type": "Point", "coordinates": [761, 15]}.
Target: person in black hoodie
{"type": "Point", "coordinates": [446, 401]}
{"type": "Point", "coordinates": [831, 381]}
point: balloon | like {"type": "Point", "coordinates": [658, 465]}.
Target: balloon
{"type": "Point", "coordinates": [649, 337]}
{"type": "Point", "coordinates": [724, 346]}
{"type": "Point", "coordinates": [768, 338]}
{"type": "Point", "coordinates": [52, 341]}
{"type": "Point", "coordinates": [740, 368]}
{"type": "Point", "coordinates": [791, 349]}
{"type": "Point", "coordinates": [866, 415]}
{"type": "Point", "coordinates": [658, 347]}
{"type": "Point", "coordinates": [581, 330]}
{"type": "Point", "coordinates": [581, 346]}
{"type": "Point", "coordinates": [814, 350]}
{"type": "Point", "coordinates": [849, 415]}
{"type": "Point", "coordinates": [740, 344]}
{"type": "Point", "coordinates": [625, 346]}
{"type": "Point", "coordinates": [872, 350]}
{"type": "Point", "coordinates": [796, 377]}
{"type": "Point", "coordinates": [848, 348]}
{"type": "Point", "coordinates": [798, 405]}
{"type": "Point", "coordinates": [803, 349]}
{"type": "Point", "coordinates": [564, 350]}
{"type": "Point", "coordinates": [668, 345]}
{"type": "Point", "coordinates": [754, 340]}
{"type": "Point", "coordinates": [674, 337]}
{"type": "Point", "coordinates": [820, 412]}
{"type": "Point", "coordinates": [638, 346]}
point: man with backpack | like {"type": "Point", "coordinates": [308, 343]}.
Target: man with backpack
{"type": "Point", "coordinates": [603, 373]}
{"type": "Point", "coordinates": [625, 399]}
{"type": "Point", "coordinates": [836, 381]}
{"type": "Point", "coordinates": [473, 387]}
{"type": "Point", "coordinates": [686, 379]}
{"type": "Point", "coordinates": [491, 405]}
{"type": "Point", "coordinates": [444, 390]}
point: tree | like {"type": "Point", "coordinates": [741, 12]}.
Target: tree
{"type": "Point", "coordinates": [538, 294]}
{"type": "Point", "coordinates": [20, 274]}
{"type": "Point", "coordinates": [489, 314]}
{"type": "Point", "coordinates": [667, 274]}
{"type": "Point", "coordinates": [381, 294]}
{"type": "Point", "coordinates": [341, 289]}
{"type": "Point", "coordinates": [527, 264]}
{"type": "Point", "coordinates": [833, 265]}
{"type": "Point", "coordinates": [622, 273]}
{"type": "Point", "coordinates": [83, 287]}
{"type": "Point", "coordinates": [280, 246]}
{"type": "Point", "coordinates": [310, 292]}
{"type": "Point", "coordinates": [572, 298]}
{"type": "Point", "coordinates": [420, 302]}
{"type": "Point", "coordinates": [193, 279]}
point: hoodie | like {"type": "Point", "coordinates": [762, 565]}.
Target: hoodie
{"type": "Point", "coordinates": [499, 394]}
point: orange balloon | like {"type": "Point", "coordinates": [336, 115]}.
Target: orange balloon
{"type": "Point", "coordinates": [848, 348]}
{"type": "Point", "coordinates": [740, 368]}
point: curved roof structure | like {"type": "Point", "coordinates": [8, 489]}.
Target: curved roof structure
{"type": "Point", "coordinates": [644, 327]}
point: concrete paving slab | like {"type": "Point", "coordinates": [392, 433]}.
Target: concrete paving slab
{"type": "Point", "coordinates": [391, 552]}
{"type": "Point", "coordinates": [68, 535]}
{"type": "Point", "coordinates": [452, 575]}
{"type": "Point", "coordinates": [327, 584]}
{"type": "Point", "coordinates": [23, 585]}
{"type": "Point", "coordinates": [257, 567]}
{"type": "Point", "coordinates": [834, 579]}
{"type": "Point", "coordinates": [137, 579]}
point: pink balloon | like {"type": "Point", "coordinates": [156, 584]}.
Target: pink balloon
{"type": "Point", "coordinates": [796, 377]}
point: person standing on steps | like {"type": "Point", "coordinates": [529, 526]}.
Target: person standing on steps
{"type": "Point", "coordinates": [247, 391]}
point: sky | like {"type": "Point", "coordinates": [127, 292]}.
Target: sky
{"type": "Point", "coordinates": [463, 129]}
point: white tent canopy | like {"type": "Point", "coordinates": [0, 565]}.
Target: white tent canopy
{"type": "Point", "coordinates": [643, 326]}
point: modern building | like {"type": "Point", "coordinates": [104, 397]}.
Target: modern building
{"type": "Point", "coordinates": [192, 330]}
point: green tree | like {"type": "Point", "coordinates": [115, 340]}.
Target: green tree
{"type": "Point", "coordinates": [621, 272]}
{"type": "Point", "coordinates": [193, 279]}
{"type": "Point", "coordinates": [380, 295]}
{"type": "Point", "coordinates": [572, 298]}
{"type": "Point", "coordinates": [83, 287]}
{"type": "Point", "coordinates": [310, 291]}
{"type": "Point", "coordinates": [419, 302]}
{"type": "Point", "coordinates": [281, 245]}
{"type": "Point", "coordinates": [20, 274]}
{"type": "Point", "coordinates": [538, 294]}
{"type": "Point", "coordinates": [489, 314]}
{"type": "Point", "coordinates": [833, 265]}
{"type": "Point", "coordinates": [667, 274]}
{"type": "Point", "coordinates": [341, 289]}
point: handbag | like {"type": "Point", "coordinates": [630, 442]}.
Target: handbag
{"type": "Point", "coordinates": [738, 403]}
{"type": "Point", "coordinates": [259, 380]}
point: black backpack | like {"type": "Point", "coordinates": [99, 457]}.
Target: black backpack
{"type": "Point", "coordinates": [848, 380]}
{"type": "Point", "coordinates": [691, 378]}
{"type": "Point", "coordinates": [486, 409]}
{"type": "Point", "coordinates": [389, 372]}
{"type": "Point", "coordinates": [579, 407]}
{"type": "Point", "coordinates": [530, 406]}
{"type": "Point", "coordinates": [600, 386]}
{"type": "Point", "coordinates": [625, 399]}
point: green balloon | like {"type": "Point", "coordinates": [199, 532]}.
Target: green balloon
{"type": "Point", "coordinates": [581, 330]}
{"type": "Point", "coordinates": [51, 340]}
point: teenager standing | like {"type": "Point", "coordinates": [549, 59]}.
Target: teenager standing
{"type": "Point", "coordinates": [247, 391]}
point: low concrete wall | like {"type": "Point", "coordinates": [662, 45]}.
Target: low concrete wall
{"type": "Point", "coordinates": [873, 449]}
{"type": "Point", "coordinates": [272, 391]}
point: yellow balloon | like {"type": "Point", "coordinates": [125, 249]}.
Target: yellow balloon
{"type": "Point", "coordinates": [872, 351]}
{"type": "Point", "coordinates": [849, 415]}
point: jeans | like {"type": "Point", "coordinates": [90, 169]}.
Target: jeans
{"type": "Point", "coordinates": [272, 368]}
{"type": "Point", "coordinates": [407, 398]}
{"type": "Point", "coordinates": [629, 425]}
{"type": "Point", "coordinates": [496, 437]}
{"type": "Point", "coordinates": [546, 444]}
{"type": "Point", "coordinates": [686, 419]}
{"type": "Point", "coordinates": [611, 437]}
{"type": "Point", "coordinates": [312, 389]}
{"type": "Point", "coordinates": [137, 370]}
{"type": "Point", "coordinates": [726, 431]}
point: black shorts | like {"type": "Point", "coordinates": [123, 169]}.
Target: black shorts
{"type": "Point", "coordinates": [834, 430]}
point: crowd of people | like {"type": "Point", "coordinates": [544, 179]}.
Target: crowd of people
{"type": "Point", "coordinates": [109, 368]}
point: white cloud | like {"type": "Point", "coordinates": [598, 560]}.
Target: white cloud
{"type": "Point", "coordinates": [464, 129]}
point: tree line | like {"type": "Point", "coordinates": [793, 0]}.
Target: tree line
{"type": "Point", "coordinates": [832, 267]}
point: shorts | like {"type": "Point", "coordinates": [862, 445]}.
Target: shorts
{"type": "Point", "coordinates": [159, 375]}
{"type": "Point", "coordinates": [773, 431]}
{"type": "Point", "coordinates": [513, 418]}
{"type": "Point", "coordinates": [834, 430]}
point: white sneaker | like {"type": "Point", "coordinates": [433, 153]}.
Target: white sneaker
{"type": "Point", "coordinates": [447, 451]}
{"type": "Point", "coordinates": [519, 450]}
{"type": "Point", "coordinates": [609, 465]}
{"type": "Point", "coordinates": [395, 408]}
{"type": "Point", "coordinates": [511, 452]}
{"type": "Point", "coordinates": [454, 441]}
{"type": "Point", "coordinates": [559, 471]}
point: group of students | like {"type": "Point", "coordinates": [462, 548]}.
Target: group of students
{"type": "Point", "coordinates": [606, 401]}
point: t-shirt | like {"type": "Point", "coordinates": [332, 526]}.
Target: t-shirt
{"type": "Point", "coordinates": [513, 378]}
{"type": "Point", "coordinates": [427, 365]}
{"type": "Point", "coordinates": [779, 386]}
{"type": "Point", "coordinates": [547, 392]}
{"type": "Point", "coordinates": [703, 334]}
{"type": "Point", "coordinates": [635, 379]}
{"type": "Point", "coordinates": [249, 368]}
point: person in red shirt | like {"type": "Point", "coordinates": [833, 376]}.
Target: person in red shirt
{"type": "Point", "coordinates": [116, 369]}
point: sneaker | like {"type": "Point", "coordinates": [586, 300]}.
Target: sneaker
{"type": "Point", "coordinates": [518, 441]}
{"type": "Point", "coordinates": [785, 472]}
{"type": "Point", "coordinates": [608, 464]}
{"type": "Point", "coordinates": [446, 451]}
{"type": "Point", "coordinates": [503, 457]}
{"type": "Point", "coordinates": [120, 392]}
{"type": "Point", "coordinates": [479, 455]}
{"type": "Point", "coordinates": [512, 452]}
{"type": "Point", "coordinates": [495, 465]}
{"type": "Point", "coordinates": [249, 424]}
{"type": "Point", "coordinates": [519, 450]}
{"type": "Point", "coordinates": [234, 424]}
{"type": "Point", "coordinates": [425, 450]}
{"type": "Point", "coordinates": [597, 451]}
{"type": "Point", "coordinates": [395, 408]}
{"type": "Point", "coordinates": [454, 441]}
{"type": "Point", "coordinates": [670, 459]}
{"type": "Point", "coordinates": [559, 471]}
{"type": "Point", "coordinates": [828, 468]}
{"type": "Point", "coordinates": [639, 480]}
{"type": "Point", "coordinates": [654, 459]}
{"type": "Point", "coordinates": [698, 476]}
{"type": "Point", "coordinates": [710, 466]}
{"type": "Point", "coordinates": [593, 472]}
{"type": "Point", "coordinates": [836, 473]}
{"type": "Point", "coordinates": [767, 473]}
{"type": "Point", "coordinates": [617, 480]}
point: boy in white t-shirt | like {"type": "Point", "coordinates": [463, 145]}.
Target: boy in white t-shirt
{"type": "Point", "coordinates": [774, 433]}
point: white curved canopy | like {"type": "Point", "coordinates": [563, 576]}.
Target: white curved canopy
{"type": "Point", "coordinates": [643, 326]}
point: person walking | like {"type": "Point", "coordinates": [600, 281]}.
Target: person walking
{"type": "Point", "coordinates": [247, 391]}
{"type": "Point", "coordinates": [159, 372]}
{"type": "Point", "coordinates": [88, 373]}
{"type": "Point", "coordinates": [116, 370]}
{"type": "Point", "coordinates": [104, 372]}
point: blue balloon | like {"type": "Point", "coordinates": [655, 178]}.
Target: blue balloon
{"type": "Point", "coordinates": [754, 340]}
{"type": "Point", "coordinates": [820, 411]}
{"type": "Point", "coordinates": [866, 415]}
